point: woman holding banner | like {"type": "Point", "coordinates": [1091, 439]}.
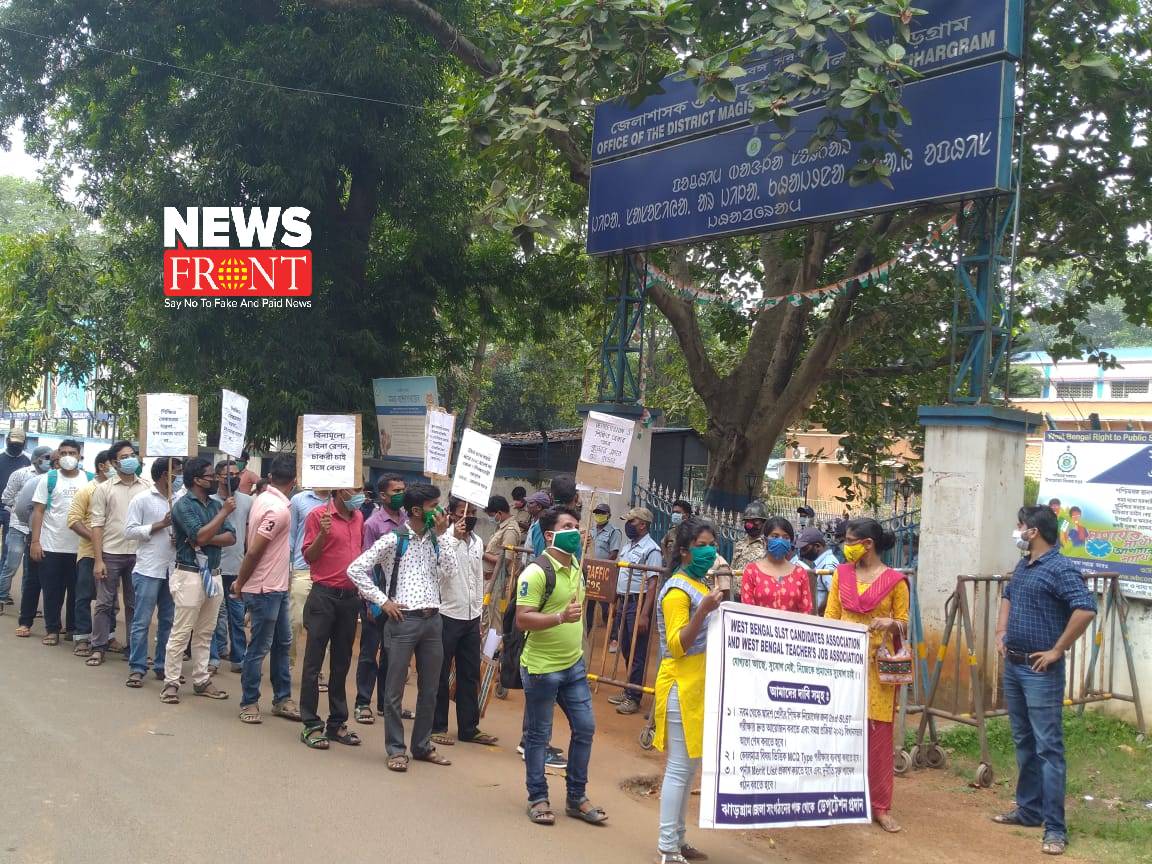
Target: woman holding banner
{"type": "Point", "coordinates": [867, 591]}
{"type": "Point", "coordinates": [774, 581]}
{"type": "Point", "coordinates": [683, 607]}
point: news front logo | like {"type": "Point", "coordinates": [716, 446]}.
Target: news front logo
{"type": "Point", "coordinates": [237, 257]}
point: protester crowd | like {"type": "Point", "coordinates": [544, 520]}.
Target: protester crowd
{"type": "Point", "coordinates": [233, 569]}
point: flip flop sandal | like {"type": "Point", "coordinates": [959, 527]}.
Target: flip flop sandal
{"type": "Point", "coordinates": [170, 695]}
{"type": "Point", "coordinates": [364, 715]}
{"type": "Point", "coordinates": [593, 815]}
{"type": "Point", "coordinates": [481, 738]}
{"type": "Point", "coordinates": [1055, 846]}
{"type": "Point", "coordinates": [95, 658]}
{"type": "Point", "coordinates": [315, 738]}
{"type": "Point", "coordinates": [251, 715]}
{"type": "Point", "coordinates": [114, 647]}
{"type": "Point", "coordinates": [343, 736]}
{"type": "Point", "coordinates": [82, 649]}
{"type": "Point", "coordinates": [889, 824]}
{"type": "Point", "coordinates": [135, 680]}
{"type": "Point", "coordinates": [398, 763]}
{"type": "Point", "coordinates": [443, 739]}
{"type": "Point", "coordinates": [433, 757]}
{"type": "Point", "coordinates": [541, 813]}
{"type": "Point", "coordinates": [23, 632]}
{"type": "Point", "coordinates": [1013, 817]}
{"type": "Point", "coordinates": [51, 639]}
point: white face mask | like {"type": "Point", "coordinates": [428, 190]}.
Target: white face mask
{"type": "Point", "coordinates": [68, 463]}
{"type": "Point", "coordinates": [1018, 539]}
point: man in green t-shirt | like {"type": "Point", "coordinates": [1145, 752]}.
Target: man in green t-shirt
{"type": "Point", "coordinates": [553, 668]}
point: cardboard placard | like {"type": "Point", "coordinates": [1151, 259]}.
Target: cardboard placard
{"type": "Point", "coordinates": [329, 451]}
{"type": "Point", "coordinates": [438, 442]}
{"type": "Point", "coordinates": [604, 453]}
{"type": "Point", "coordinates": [475, 468]}
{"type": "Point", "coordinates": [600, 579]}
{"type": "Point", "coordinates": [233, 423]}
{"type": "Point", "coordinates": [168, 425]}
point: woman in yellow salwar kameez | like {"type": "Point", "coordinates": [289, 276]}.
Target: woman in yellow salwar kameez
{"type": "Point", "coordinates": [682, 611]}
{"type": "Point", "coordinates": [867, 591]}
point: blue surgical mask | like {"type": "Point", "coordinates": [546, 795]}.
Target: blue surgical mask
{"type": "Point", "coordinates": [129, 464]}
{"type": "Point", "coordinates": [356, 501]}
{"type": "Point", "coordinates": [779, 547]}
{"type": "Point", "coordinates": [43, 465]}
{"type": "Point", "coordinates": [177, 485]}
{"type": "Point", "coordinates": [677, 518]}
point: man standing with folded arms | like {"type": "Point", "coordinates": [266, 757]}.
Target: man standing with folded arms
{"type": "Point", "coordinates": [201, 528]}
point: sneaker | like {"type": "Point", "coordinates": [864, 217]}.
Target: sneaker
{"type": "Point", "coordinates": [619, 699]}
{"type": "Point", "coordinates": [520, 749]}
{"type": "Point", "coordinates": [555, 760]}
{"type": "Point", "coordinates": [628, 706]}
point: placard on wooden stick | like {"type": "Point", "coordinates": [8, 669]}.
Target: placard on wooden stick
{"type": "Point", "coordinates": [438, 430]}
{"type": "Point", "coordinates": [329, 451]}
{"type": "Point", "coordinates": [169, 425]}
{"type": "Point", "coordinates": [604, 453]}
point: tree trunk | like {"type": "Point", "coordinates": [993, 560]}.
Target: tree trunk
{"type": "Point", "coordinates": [476, 378]}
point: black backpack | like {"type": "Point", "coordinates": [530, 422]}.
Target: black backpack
{"type": "Point", "coordinates": [512, 645]}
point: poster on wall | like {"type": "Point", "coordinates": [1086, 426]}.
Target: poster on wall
{"type": "Point", "coordinates": [785, 721]}
{"type": "Point", "coordinates": [1103, 481]}
{"type": "Point", "coordinates": [401, 409]}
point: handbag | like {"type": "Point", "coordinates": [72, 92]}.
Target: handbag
{"type": "Point", "coordinates": [895, 666]}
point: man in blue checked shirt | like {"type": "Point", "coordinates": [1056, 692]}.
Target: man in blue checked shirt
{"type": "Point", "coordinates": [1046, 607]}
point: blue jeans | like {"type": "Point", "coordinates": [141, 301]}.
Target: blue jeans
{"type": "Point", "coordinates": [230, 638]}
{"type": "Point", "coordinates": [271, 634]}
{"type": "Point", "coordinates": [152, 595]}
{"type": "Point", "coordinates": [679, 772]}
{"type": "Point", "coordinates": [1035, 708]}
{"type": "Point", "coordinates": [15, 546]}
{"type": "Point", "coordinates": [567, 688]}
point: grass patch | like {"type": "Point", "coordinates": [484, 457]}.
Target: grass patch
{"type": "Point", "coordinates": [1109, 807]}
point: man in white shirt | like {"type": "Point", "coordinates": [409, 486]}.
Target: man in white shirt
{"type": "Point", "coordinates": [18, 539]}
{"type": "Point", "coordinates": [52, 544]}
{"type": "Point", "coordinates": [149, 523]}
{"type": "Point", "coordinates": [461, 602]}
{"type": "Point", "coordinates": [412, 576]}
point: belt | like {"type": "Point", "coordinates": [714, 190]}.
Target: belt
{"type": "Point", "coordinates": [1019, 658]}
{"type": "Point", "coordinates": [336, 592]}
{"type": "Point", "coordinates": [190, 569]}
{"type": "Point", "coordinates": [419, 613]}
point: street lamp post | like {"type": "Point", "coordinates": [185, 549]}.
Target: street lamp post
{"type": "Point", "coordinates": [805, 479]}
{"type": "Point", "coordinates": [750, 481]}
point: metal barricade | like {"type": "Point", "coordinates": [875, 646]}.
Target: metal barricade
{"type": "Point", "coordinates": [970, 616]}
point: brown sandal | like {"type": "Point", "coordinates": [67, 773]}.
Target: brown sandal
{"type": "Point", "coordinates": [170, 695]}
{"type": "Point", "coordinates": [23, 632]}
{"type": "Point", "coordinates": [83, 648]}
{"type": "Point", "coordinates": [433, 757]}
{"type": "Point", "coordinates": [95, 658]}
{"type": "Point", "coordinates": [51, 639]}
{"type": "Point", "coordinates": [398, 763]}
{"type": "Point", "coordinates": [541, 813]}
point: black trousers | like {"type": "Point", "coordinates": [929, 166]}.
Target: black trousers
{"type": "Point", "coordinates": [58, 582]}
{"type": "Point", "coordinates": [329, 620]}
{"type": "Point", "coordinates": [372, 666]}
{"type": "Point", "coordinates": [461, 644]}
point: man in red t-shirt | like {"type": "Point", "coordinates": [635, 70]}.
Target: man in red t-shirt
{"type": "Point", "coordinates": [332, 541]}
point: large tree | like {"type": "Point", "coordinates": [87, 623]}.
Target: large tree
{"type": "Point", "coordinates": [866, 358]}
{"type": "Point", "coordinates": [210, 102]}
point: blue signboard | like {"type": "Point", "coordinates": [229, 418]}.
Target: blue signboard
{"type": "Point", "coordinates": [958, 147]}
{"type": "Point", "coordinates": [953, 33]}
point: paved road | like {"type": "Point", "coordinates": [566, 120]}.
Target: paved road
{"type": "Point", "coordinates": [94, 772]}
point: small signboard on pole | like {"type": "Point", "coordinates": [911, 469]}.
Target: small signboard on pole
{"type": "Point", "coordinates": [328, 451]}
{"type": "Point", "coordinates": [233, 423]}
{"type": "Point", "coordinates": [604, 453]}
{"type": "Point", "coordinates": [475, 468]}
{"type": "Point", "coordinates": [168, 425]}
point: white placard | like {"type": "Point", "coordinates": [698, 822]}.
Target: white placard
{"type": "Point", "coordinates": [168, 425]}
{"type": "Point", "coordinates": [491, 643]}
{"type": "Point", "coordinates": [785, 721]}
{"type": "Point", "coordinates": [607, 440]}
{"type": "Point", "coordinates": [328, 458]}
{"type": "Point", "coordinates": [475, 468]}
{"type": "Point", "coordinates": [233, 423]}
{"type": "Point", "coordinates": [438, 443]}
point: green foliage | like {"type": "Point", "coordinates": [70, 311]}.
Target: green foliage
{"type": "Point", "coordinates": [1031, 492]}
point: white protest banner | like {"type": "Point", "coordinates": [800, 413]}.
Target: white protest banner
{"type": "Point", "coordinates": [168, 424]}
{"type": "Point", "coordinates": [233, 423]}
{"type": "Point", "coordinates": [328, 451]}
{"type": "Point", "coordinates": [475, 468]}
{"type": "Point", "coordinates": [607, 440]}
{"type": "Point", "coordinates": [438, 443]}
{"type": "Point", "coordinates": [785, 721]}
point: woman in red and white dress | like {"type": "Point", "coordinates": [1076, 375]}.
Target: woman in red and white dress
{"type": "Point", "coordinates": [774, 581]}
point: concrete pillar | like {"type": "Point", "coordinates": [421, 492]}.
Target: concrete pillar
{"type": "Point", "coordinates": [973, 487]}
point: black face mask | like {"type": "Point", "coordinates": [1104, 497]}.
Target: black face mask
{"type": "Point", "coordinates": [233, 484]}
{"type": "Point", "coordinates": [469, 523]}
{"type": "Point", "coordinates": [15, 449]}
